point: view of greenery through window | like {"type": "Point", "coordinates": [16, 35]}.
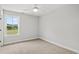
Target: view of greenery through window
{"type": "Point", "coordinates": [11, 24]}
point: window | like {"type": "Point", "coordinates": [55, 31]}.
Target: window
{"type": "Point", "coordinates": [11, 25]}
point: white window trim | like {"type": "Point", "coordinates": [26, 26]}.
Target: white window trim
{"type": "Point", "coordinates": [5, 24]}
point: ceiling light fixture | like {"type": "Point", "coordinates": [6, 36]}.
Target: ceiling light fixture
{"type": "Point", "coordinates": [35, 9]}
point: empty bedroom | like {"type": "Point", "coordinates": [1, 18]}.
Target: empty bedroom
{"type": "Point", "coordinates": [39, 28]}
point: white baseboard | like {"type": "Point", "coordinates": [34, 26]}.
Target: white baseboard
{"type": "Point", "coordinates": [45, 39]}
{"type": "Point", "coordinates": [19, 41]}
{"type": "Point", "coordinates": [58, 44]}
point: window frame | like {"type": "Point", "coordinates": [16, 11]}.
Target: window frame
{"type": "Point", "coordinates": [5, 25]}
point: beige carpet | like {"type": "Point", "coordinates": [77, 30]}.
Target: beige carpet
{"type": "Point", "coordinates": [33, 47]}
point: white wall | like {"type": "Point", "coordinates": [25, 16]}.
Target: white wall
{"type": "Point", "coordinates": [28, 28]}
{"type": "Point", "coordinates": [62, 27]}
